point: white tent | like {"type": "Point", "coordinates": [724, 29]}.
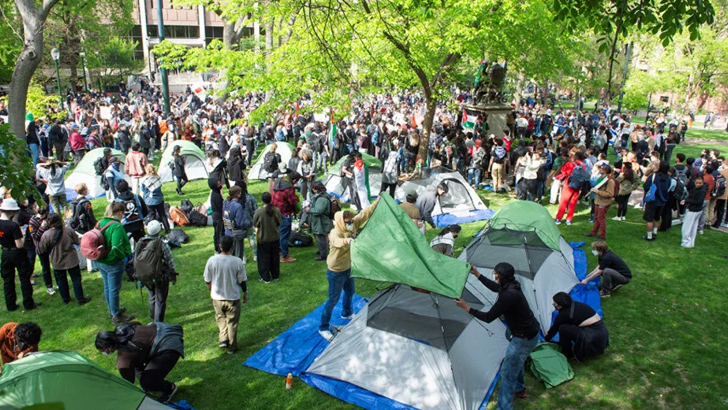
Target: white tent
{"type": "Point", "coordinates": [461, 204]}
{"type": "Point", "coordinates": [196, 166]}
{"type": "Point", "coordinates": [85, 172]}
{"type": "Point", "coordinates": [283, 148]}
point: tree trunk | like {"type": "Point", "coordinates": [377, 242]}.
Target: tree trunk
{"type": "Point", "coordinates": [25, 66]}
{"type": "Point", "coordinates": [268, 38]}
{"type": "Point", "coordinates": [426, 130]}
{"type": "Point", "coordinates": [230, 36]}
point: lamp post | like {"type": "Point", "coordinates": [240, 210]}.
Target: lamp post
{"type": "Point", "coordinates": [162, 70]}
{"type": "Point", "coordinates": [83, 62]}
{"type": "Point", "coordinates": [57, 55]}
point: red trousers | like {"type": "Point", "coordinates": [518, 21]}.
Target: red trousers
{"type": "Point", "coordinates": [569, 197]}
{"type": "Point", "coordinates": [600, 221]}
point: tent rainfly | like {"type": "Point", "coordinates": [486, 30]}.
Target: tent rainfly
{"type": "Point", "coordinates": [196, 166]}
{"type": "Point", "coordinates": [71, 380]}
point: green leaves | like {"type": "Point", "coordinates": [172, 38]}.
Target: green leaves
{"type": "Point", "coordinates": [16, 167]}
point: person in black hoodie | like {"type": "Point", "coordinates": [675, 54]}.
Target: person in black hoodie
{"type": "Point", "coordinates": [236, 166]}
{"type": "Point", "coordinates": [653, 206]}
{"type": "Point", "coordinates": [179, 169]}
{"type": "Point", "coordinates": [135, 210]}
{"type": "Point", "coordinates": [522, 328]}
{"type": "Point", "coordinates": [216, 205]}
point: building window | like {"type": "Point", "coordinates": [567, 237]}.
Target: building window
{"type": "Point", "coordinates": [153, 31]}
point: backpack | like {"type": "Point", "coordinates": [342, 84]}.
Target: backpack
{"type": "Point", "coordinates": [226, 220]}
{"type": "Point", "coordinates": [578, 178]}
{"type": "Point", "coordinates": [269, 164]}
{"type": "Point", "coordinates": [79, 219]}
{"type": "Point", "coordinates": [719, 188]}
{"type": "Point", "coordinates": [300, 239]}
{"type": "Point", "coordinates": [98, 166]}
{"type": "Point", "coordinates": [132, 210]}
{"type": "Point", "coordinates": [148, 261]}
{"type": "Point", "coordinates": [682, 175]}
{"type": "Point", "coordinates": [197, 219]}
{"type": "Point", "coordinates": [334, 206]}
{"type": "Point", "coordinates": [549, 365]}
{"type": "Point", "coordinates": [178, 235]}
{"type": "Point", "coordinates": [314, 142]}
{"type": "Point", "coordinates": [186, 206]}
{"type": "Point", "coordinates": [93, 243]}
{"type": "Point", "coordinates": [178, 216]}
{"type": "Point", "coordinates": [680, 193]}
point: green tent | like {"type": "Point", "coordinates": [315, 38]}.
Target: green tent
{"type": "Point", "coordinates": [67, 380]}
{"type": "Point", "coordinates": [85, 172]}
{"type": "Point", "coordinates": [196, 164]}
{"type": "Point", "coordinates": [391, 248]}
{"type": "Point", "coordinates": [370, 161]}
{"type": "Point", "coordinates": [528, 216]}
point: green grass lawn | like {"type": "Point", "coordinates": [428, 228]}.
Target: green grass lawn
{"type": "Point", "coordinates": [667, 327]}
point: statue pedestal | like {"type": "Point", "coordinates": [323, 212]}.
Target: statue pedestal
{"type": "Point", "coordinates": [497, 116]}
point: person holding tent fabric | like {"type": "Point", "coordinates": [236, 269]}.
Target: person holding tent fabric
{"type": "Point", "coordinates": [338, 272]}
{"type": "Point", "coordinates": [426, 203]}
{"type": "Point", "coordinates": [613, 270]}
{"type": "Point", "coordinates": [582, 333]}
{"type": "Point", "coordinates": [522, 329]}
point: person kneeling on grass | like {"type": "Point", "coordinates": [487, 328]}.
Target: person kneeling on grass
{"type": "Point", "coordinates": [582, 333]}
{"type": "Point", "coordinates": [148, 353]}
{"type": "Point", "coordinates": [611, 267]}
{"type": "Point", "coordinates": [17, 340]}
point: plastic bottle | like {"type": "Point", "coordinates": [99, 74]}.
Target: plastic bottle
{"type": "Point", "coordinates": [289, 381]}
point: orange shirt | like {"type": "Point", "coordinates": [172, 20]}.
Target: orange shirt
{"type": "Point", "coordinates": [7, 343]}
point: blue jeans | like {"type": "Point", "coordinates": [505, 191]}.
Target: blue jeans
{"type": "Point", "coordinates": [474, 174]}
{"type": "Point", "coordinates": [112, 276]}
{"type": "Point", "coordinates": [34, 151]}
{"type": "Point", "coordinates": [285, 233]}
{"type": "Point", "coordinates": [337, 282]}
{"type": "Point", "coordinates": [511, 372]}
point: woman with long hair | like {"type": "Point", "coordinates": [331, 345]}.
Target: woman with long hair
{"type": "Point", "coordinates": [151, 187]}
{"type": "Point", "coordinates": [267, 221]}
{"type": "Point", "coordinates": [627, 184]}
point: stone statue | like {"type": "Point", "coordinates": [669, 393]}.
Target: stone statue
{"type": "Point", "coordinates": [489, 82]}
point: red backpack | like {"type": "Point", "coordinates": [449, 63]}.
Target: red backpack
{"type": "Point", "coordinates": [93, 243]}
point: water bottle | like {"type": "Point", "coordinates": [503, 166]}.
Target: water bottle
{"type": "Point", "coordinates": [289, 381]}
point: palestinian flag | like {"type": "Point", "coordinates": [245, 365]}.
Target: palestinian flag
{"type": "Point", "coordinates": [333, 132]}
{"type": "Point", "coordinates": [469, 119]}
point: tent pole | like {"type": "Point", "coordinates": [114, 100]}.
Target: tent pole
{"type": "Point", "coordinates": [439, 317]}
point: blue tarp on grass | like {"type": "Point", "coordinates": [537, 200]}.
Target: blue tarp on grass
{"type": "Point", "coordinates": [296, 348]}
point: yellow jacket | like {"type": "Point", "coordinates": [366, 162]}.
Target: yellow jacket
{"type": "Point", "coordinates": [339, 258]}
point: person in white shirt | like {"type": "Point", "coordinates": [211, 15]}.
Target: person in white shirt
{"type": "Point", "coordinates": [225, 277]}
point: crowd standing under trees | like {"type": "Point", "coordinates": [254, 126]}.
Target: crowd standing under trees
{"type": "Point", "coordinates": [546, 154]}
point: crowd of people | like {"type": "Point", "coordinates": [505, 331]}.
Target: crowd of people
{"type": "Point", "coordinates": [559, 155]}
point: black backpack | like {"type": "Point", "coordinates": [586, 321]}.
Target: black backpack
{"type": "Point", "coordinates": [681, 192]}
{"type": "Point", "coordinates": [300, 239]}
{"type": "Point", "coordinates": [269, 162]}
{"type": "Point", "coordinates": [186, 206]}
{"type": "Point", "coordinates": [178, 235]}
{"type": "Point", "coordinates": [148, 261]}
{"type": "Point", "coordinates": [196, 218]}
{"type": "Point", "coordinates": [99, 166]}
{"type": "Point", "coordinates": [79, 221]}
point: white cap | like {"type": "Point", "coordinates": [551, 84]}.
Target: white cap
{"type": "Point", "coordinates": [154, 227]}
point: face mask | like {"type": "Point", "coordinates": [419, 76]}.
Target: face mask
{"type": "Point", "coordinates": [107, 353]}
{"type": "Point", "coordinates": [349, 227]}
{"type": "Point", "coordinates": [595, 253]}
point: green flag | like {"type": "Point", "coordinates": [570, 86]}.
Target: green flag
{"type": "Point", "coordinates": [391, 248]}
{"type": "Point", "coordinates": [333, 132]}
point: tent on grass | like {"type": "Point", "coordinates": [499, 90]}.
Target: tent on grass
{"type": "Point", "coordinates": [85, 172]}
{"type": "Point", "coordinates": [335, 184]}
{"type": "Point", "coordinates": [283, 148]}
{"type": "Point", "coordinates": [196, 166]}
{"type": "Point", "coordinates": [460, 205]}
{"type": "Point", "coordinates": [67, 380]}
{"type": "Point", "coordinates": [412, 344]}
{"type": "Point", "coordinates": [523, 233]}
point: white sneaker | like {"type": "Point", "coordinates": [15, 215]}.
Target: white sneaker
{"type": "Point", "coordinates": [327, 335]}
{"type": "Point", "coordinates": [568, 222]}
{"type": "Point", "coordinates": [724, 225]}
{"type": "Point", "coordinates": [624, 218]}
{"type": "Point", "coordinates": [255, 258]}
{"type": "Point", "coordinates": [617, 218]}
{"type": "Point", "coordinates": [700, 232]}
{"type": "Point", "coordinates": [51, 291]}
{"type": "Point", "coordinates": [558, 222]}
{"type": "Point", "coordinates": [347, 317]}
